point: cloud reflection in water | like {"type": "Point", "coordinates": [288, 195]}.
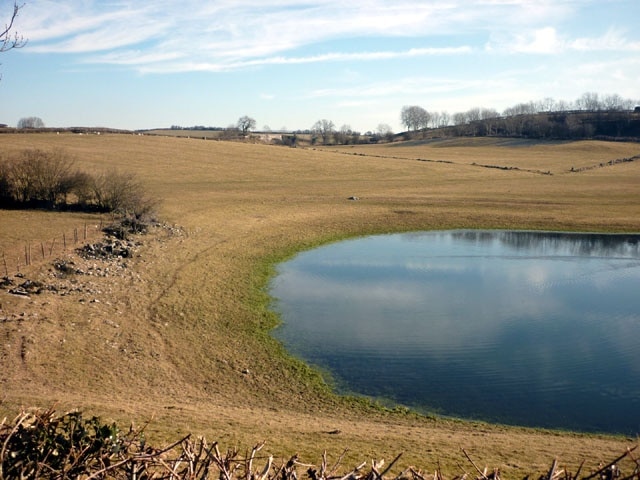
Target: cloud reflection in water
{"type": "Point", "coordinates": [531, 328]}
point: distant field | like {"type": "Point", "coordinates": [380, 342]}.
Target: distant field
{"type": "Point", "coordinates": [264, 137]}
{"type": "Point", "coordinates": [545, 156]}
{"type": "Point", "coordinates": [181, 333]}
{"type": "Point", "coordinates": [196, 134]}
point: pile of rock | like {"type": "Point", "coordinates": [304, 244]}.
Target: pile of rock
{"type": "Point", "coordinates": [26, 288]}
{"type": "Point", "coordinates": [109, 248]}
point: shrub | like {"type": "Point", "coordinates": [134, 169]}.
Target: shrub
{"type": "Point", "coordinates": [49, 179]}
{"type": "Point", "coordinates": [41, 444]}
{"type": "Point", "coordinates": [37, 177]}
{"type": "Point", "coordinates": [123, 195]}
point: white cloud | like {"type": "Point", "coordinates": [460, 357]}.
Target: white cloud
{"type": "Point", "coordinates": [136, 57]}
{"type": "Point", "coordinates": [219, 65]}
{"type": "Point", "coordinates": [244, 33]}
{"type": "Point", "coordinates": [547, 40]}
{"type": "Point", "coordinates": [613, 39]}
{"type": "Point", "coordinates": [57, 27]}
{"type": "Point", "coordinates": [544, 40]}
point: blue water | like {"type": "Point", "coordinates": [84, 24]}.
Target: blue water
{"type": "Point", "coordinates": [528, 328]}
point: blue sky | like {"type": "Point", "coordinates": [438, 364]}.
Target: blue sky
{"type": "Point", "coordinates": [288, 63]}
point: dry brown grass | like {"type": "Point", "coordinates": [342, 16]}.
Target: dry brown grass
{"type": "Point", "coordinates": [557, 157]}
{"type": "Point", "coordinates": [171, 336]}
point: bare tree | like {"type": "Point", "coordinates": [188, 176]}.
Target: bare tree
{"type": "Point", "coordinates": [384, 131]}
{"type": "Point", "coordinates": [324, 128]}
{"type": "Point", "coordinates": [616, 102]}
{"type": "Point", "coordinates": [528, 108]}
{"type": "Point", "coordinates": [459, 118]}
{"type": "Point", "coordinates": [473, 114]}
{"type": "Point", "coordinates": [547, 104]}
{"type": "Point", "coordinates": [30, 122]}
{"type": "Point", "coordinates": [563, 106]}
{"type": "Point", "coordinates": [490, 117]}
{"type": "Point", "coordinates": [589, 101]}
{"type": "Point", "coordinates": [445, 119]}
{"type": "Point", "coordinates": [434, 119]}
{"type": "Point", "coordinates": [414, 117]}
{"type": "Point", "coordinates": [245, 124]}
{"type": "Point", "coordinates": [343, 135]}
{"type": "Point", "coordinates": [441, 119]}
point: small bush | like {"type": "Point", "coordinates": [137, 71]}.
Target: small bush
{"type": "Point", "coordinates": [38, 178]}
{"type": "Point", "coordinates": [41, 444]}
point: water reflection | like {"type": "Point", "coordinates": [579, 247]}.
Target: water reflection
{"type": "Point", "coordinates": [528, 328]}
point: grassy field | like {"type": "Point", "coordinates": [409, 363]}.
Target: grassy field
{"type": "Point", "coordinates": [181, 335]}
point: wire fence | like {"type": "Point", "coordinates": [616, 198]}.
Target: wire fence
{"type": "Point", "coordinates": [19, 258]}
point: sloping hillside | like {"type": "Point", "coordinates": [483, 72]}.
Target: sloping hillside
{"type": "Point", "coordinates": [179, 331]}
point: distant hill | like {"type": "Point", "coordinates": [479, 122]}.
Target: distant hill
{"type": "Point", "coordinates": [563, 125]}
{"type": "Point", "coordinates": [79, 130]}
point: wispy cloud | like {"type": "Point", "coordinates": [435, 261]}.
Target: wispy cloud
{"type": "Point", "coordinates": [67, 27]}
{"type": "Point", "coordinates": [613, 39]}
{"type": "Point", "coordinates": [222, 65]}
{"type": "Point", "coordinates": [237, 34]}
{"type": "Point", "coordinates": [548, 40]}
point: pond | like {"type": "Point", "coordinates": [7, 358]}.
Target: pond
{"type": "Point", "coordinates": [527, 328]}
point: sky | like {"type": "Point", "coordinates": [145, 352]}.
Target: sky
{"type": "Point", "coordinates": [140, 64]}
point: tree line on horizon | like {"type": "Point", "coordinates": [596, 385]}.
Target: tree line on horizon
{"type": "Point", "coordinates": [544, 118]}
{"type": "Point", "coordinates": [417, 118]}
{"type": "Point", "coordinates": [590, 115]}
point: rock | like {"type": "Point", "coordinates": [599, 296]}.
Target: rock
{"type": "Point", "coordinates": [65, 266]}
{"type": "Point", "coordinates": [32, 287]}
{"type": "Point", "coordinates": [19, 291]}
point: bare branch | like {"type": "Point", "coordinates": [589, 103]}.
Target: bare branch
{"type": "Point", "coordinates": [8, 40]}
